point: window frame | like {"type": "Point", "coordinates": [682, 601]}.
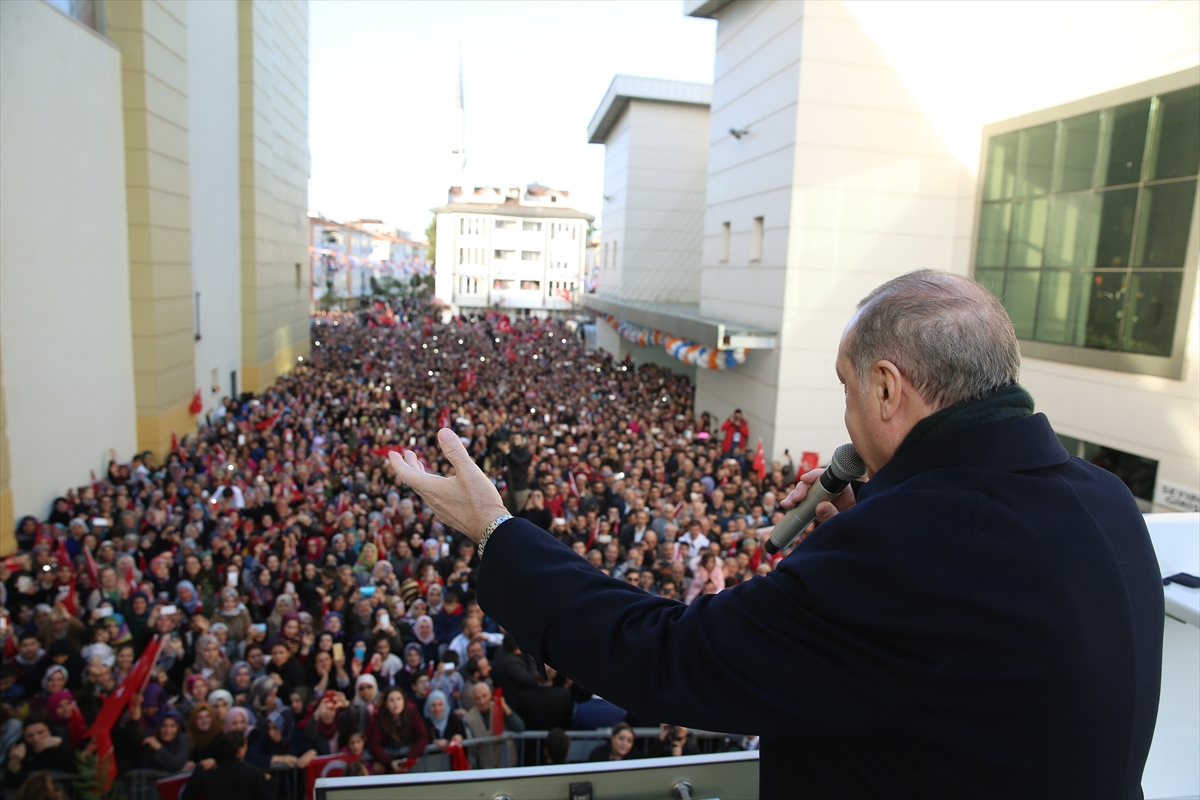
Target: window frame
{"type": "Point", "coordinates": [1138, 363]}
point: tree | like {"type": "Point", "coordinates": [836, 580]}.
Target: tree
{"type": "Point", "coordinates": [431, 237]}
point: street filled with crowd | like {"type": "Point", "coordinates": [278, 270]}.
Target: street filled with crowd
{"type": "Point", "coordinates": [267, 596]}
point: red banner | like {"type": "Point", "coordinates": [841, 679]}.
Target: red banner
{"type": "Point", "coordinates": [333, 766]}
{"type": "Point", "coordinates": [808, 462]}
{"type": "Point", "coordinates": [110, 712]}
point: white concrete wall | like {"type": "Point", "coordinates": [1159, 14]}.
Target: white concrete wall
{"type": "Point", "coordinates": [212, 47]}
{"type": "Point", "coordinates": [64, 254]}
{"type": "Point", "coordinates": [866, 124]}
{"type": "Point", "coordinates": [659, 200]}
{"type": "Point", "coordinates": [756, 85]}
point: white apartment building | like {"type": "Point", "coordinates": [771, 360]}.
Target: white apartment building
{"type": "Point", "coordinates": [516, 248]}
{"type": "Point", "coordinates": [850, 142]}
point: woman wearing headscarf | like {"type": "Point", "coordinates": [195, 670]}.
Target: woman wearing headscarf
{"type": "Point", "coordinates": [335, 626]}
{"type": "Point", "coordinates": [238, 681]}
{"type": "Point", "coordinates": [426, 636]}
{"type": "Point", "coordinates": [262, 593]}
{"type": "Point", "coordinates": [396, 736]}
{"type": "Point", "coordinates": [233, 613]}
{"type": "Point", "coordinates": [65, 713]}
{"type": "Point", "coordinates": [210, 662]}
{"type": "Point", "coordinates": [281, 743]}
{"type": "Point", "coordinates": [195, 692]}
{"type": "Point", "coordinates": [169, 748]}
{"type": "Point", "coordinates": [412, 664]}
{"type": "Point", "coordinates": [221, 701]}
{"type": "Point", "coordinates": [284, 604]}
{"type": "Point", "coordinates": [264, 697]}
{"type": "Point", "coordinates": [442, 725]}
{"type": "Point", "coordinates": [153, 705]}
{"type": "Point", "coordinates": [356, 717]}
{"type": "Point", "coordinates": [187, 597]}
{"type": "Point", "coordinates": [66, 654]}
{"type": "Point", "coordinates": [136, 611]}
{"type": "Point", "coordinates": [54, 680]}
{"type": "Point", "coordinates": [365, 563]}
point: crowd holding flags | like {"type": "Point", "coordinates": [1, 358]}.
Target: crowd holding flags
{"type": "Point", "coordinates": [101, 730]}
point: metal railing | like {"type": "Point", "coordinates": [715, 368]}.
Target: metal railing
{"type": "Point", "coordinates": [527, 747]}
{"type": "Point", "coordinates": [510, 749]}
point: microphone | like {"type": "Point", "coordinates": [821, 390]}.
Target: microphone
{"type": "Point", "coordinates": [846, 466]}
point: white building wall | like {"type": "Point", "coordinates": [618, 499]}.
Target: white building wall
{"type": "Point", "coordinates": [663, 148]}
{"type": "Point", "coordinates": [212, 47]}
{"type": "Point", "coordinates": [64, 254]}
{"type": "Point", "coordinates": [865, 132]}
{"type": "Point", "coordinates": [616, 199]}
{"type": "Point", "coordinates": [756, 77]}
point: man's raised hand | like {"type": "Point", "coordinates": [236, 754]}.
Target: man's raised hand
{"type": "Point", "coordinates": [467, 502]}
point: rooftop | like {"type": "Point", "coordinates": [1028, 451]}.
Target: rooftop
{"type": "Point", "coordinates": [629, 87]}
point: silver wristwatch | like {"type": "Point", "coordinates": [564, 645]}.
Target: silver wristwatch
{"type": "Point", "coordinates": [487, 533]}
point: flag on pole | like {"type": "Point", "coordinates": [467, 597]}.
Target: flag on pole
{"type": "Point", "coordinates": [331, 766]}
{"type": "Point", "coordinates": [110, 712]}
{"type": "Point", "coordinates": [92, 568]}
{"type": "Point", "coordinates": [760, 462]}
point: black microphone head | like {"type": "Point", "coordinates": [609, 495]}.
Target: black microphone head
{"type": "Point", "coordinates": [847, 464]}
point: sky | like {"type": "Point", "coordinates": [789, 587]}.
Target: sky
{"type": "Point", "coordinates": [382, 92]}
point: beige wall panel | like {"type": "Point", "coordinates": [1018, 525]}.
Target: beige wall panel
{"type": "Point", "coordinates": [273, 78]}
{"type": "Point", "coordinates": [153, 38]}
{"type": "Point", "coordinates": [68, 389]}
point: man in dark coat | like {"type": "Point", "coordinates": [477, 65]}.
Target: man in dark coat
{"type": "Point", "coordinates": [232, 778]}
{"type": "Point", "coordinates": [983, 618]}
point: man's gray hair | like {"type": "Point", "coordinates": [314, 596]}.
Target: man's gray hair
{"type": "Point", "coordinates": [946, 333]}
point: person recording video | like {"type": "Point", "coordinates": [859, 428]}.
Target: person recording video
{"type": "Point", "coordinates": [982, 616]}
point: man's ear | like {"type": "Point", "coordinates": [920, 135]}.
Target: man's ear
{"type": "Point", "coordinates": [887, 386]}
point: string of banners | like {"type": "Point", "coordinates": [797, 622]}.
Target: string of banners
{"type": "Point", "coordinates": [686, 351]}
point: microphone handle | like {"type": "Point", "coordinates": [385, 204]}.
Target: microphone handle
{"type": "Point", "coordinates": [795, 521]}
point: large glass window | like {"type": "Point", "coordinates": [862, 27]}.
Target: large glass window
{"type": "Point", "coordinates": [1083, 233]}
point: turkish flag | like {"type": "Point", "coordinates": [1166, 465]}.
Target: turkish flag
{"type": "Point", "coordinates": [497, 711]}
{"type": "Point", "coordinates": [333, 766]}
{"type": "Point", "coordinates": [760, 461]}
{"type": "Point", "coordinates": [92, 568]}
{"type": "Point", "coordinates": [110, 712]}
{"type": "Point", "coordinates": [809, 462]}
{"type": "Point", "coordinates": [197, 403]}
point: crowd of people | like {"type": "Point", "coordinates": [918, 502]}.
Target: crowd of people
{"type": "Point", "coordinates": [302, 604]}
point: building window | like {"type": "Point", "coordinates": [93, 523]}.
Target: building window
{"type": "Point", "coordinates": [503, 255]}
{"type": "Point", "coordinates": [196, 317]}
{"type": "Point", "coordinates": [1138, 473]}
{"type": "Point", "coordinates": [299, 278]}
{"type": "Point", "coordinates": [531, 226]}
{"type": "Point", "coordinates": [756, 236]}
{"type": "Point", "coordinates": [726, 233]}
{"type": "Point", "coordinates": [1084, 225]}
{"type": "Point", "coordinates": [500, 283]}
{"type": "Point", "coordinates": [531, 255]}
{"type": "Point", "coordinates": [461, 223]}
{"type": "Point", "coordinates": [89, 12]}
{"type": "Point", "coordinates": [535, 285]}
{"type": "Point", "coordinates": [506, 223]}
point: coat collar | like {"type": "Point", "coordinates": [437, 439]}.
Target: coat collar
{"type": "Point", "coordinates": [1011, 445]}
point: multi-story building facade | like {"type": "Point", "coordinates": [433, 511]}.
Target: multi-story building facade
{"type": "Point", "coordinates": [519, 248]}
{"type": "Point", "coordinates": [173, 138]}
{"type": "Point", "coordinates": [344, 257]}
{"type": "Point", "coordinates": [852, 142]}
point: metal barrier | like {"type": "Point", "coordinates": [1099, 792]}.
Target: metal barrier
{"type": "Point", "coordinates": [527, 750]}
{"type": "Point", "coordinates": [514, 750]}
